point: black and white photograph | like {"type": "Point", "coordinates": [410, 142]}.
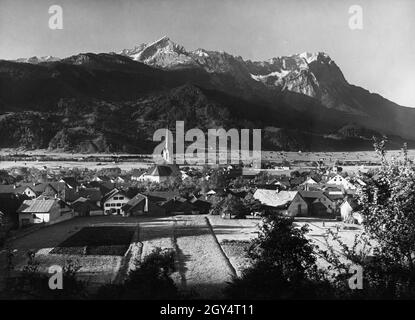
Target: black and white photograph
{"type": "Point", "coordinates": [194, 150]}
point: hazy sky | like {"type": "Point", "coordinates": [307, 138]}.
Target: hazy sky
{"type": "Point", "coordinates": [381, 57]}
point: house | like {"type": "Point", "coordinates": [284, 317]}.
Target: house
{"type": "Point", "coordinates": [296, 181]}
{"type": "Point", "coordinates": [200, 206]}
{"type": "Point", "coordinates": [120, 179]}
{"type": "Point", "coordinates": [70, 182]}
{"type": "Point", "coordinates": [9, 203]}
{"type": "Point", "coordinates": [34, 190]}
{"type": "Point", "coordinates": [171, 202]}
{"type": "Point", "coordinates": [43, 211]}
{"type": "Point", "coordinates": [92, 194]}
{"type": "Point", "coordinates": [348, 211]}
{"type": "Point", "coordinates": [311, 203]}
{"type": "Point", "coordinates": [136, 174]}
{"type": "Point", "coordinates": [162, 196]}
{"type": "Point", "coordinates": [57, 190]}
{"type": "Point", "coordinates": [113, 201]}
{"type": "Point", "coordinates": [85, 207]}
{"type": "Point", "coordinates": [336, 169]}
{"type": "Point", "coordinates": [309, 181]}
{"type": "Point", "coordinates": [140, 204]}
{"type": "Point", "coordinates": [334, 189]}
{"type": "Point", "coordinates": [340, 181]}
{"type": "Point", "coordinates": [160, 173]}
{"type": "Point", "coordinates": [103, 179]}
{"type": "Point", "coordinates": [272, 198]}
{"type": "Point", "coordinates": [179, 205]}
{"type": "Point", "coordinates": [104, 187]}
{"type": "Point", "coordinates": [269, 186]}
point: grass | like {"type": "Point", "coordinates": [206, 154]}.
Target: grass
{"type": "Point", "coordinates": [236, 251]}
{"type": "Point", "coordinates": [112, 241]}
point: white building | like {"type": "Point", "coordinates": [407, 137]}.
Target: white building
{"type": "Point", "coordinates": [43, 211]}
{"type": "Point", "coordinates": [160, 173]}
{"type": "Point", "coordinates": [340, 181]}
{"type": "Point", "coordinates": [273, 198]}
{"type": "Point", "coordinates": [113, 202]}
{"type": "Point", "coordinates": [347, 211]}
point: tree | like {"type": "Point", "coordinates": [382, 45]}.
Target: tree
{"type": "Point", "coordinates": [150, 280]}
{"type": "Point", "coordinates": [253, 205]}
{"type": "Point", "coordinates": [386, 249]}
{"type": "Point", "coordinates": [217, 204]}
{"type": "Point", "coordinates": [234, 206]}
{"type": "Point", "coordinates": [30, 283]}
{"type": "Point", "coordinates": [217, 179]}
{"type": "Point", "coordinates": [283, 265]}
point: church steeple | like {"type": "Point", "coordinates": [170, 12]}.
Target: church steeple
{"type": "Point", "coordinates": [166, 153]}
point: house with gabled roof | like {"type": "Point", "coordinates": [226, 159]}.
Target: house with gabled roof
{"type": "Point", "coordinates": [104, 187]}
{"type": "Point", "coordinates": [136, 174]}
{"type": "Point", "coordinates": [103, 179]}
{"type": "Point", "coordinates": [341, 181]}
{"type": "Point", "coordinates": [179, 205]}
{"type": "Point", "coordinates": [113, 201]}
{"type": "Point", "coordinates": [160, 173]}
{"type": "Point", "coordinates": [348, 211]}
{"type": "Point", "coordinates": [92, 194]}
{"type": "Point", "coordinates": [310, 180]}
{"type": "Point", "coordinates": [273, 198]}
{"type": "Point", "coordinates": [70, 182]}
{"type": "Point", "coordinates": [200, 205]}
{"type": "Point", "coordinates": [43, 211]}
{"type": "Point", "coordinates": [85, 207]}
{"type": "Point", "coordinates": [141, 204]}
{"type": "Point", "coordinates": [311, 203]}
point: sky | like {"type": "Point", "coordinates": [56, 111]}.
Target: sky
{"type": "Point", "coordinates": [380, 57]}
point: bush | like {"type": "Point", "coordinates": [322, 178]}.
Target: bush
{"type": "Point", "coordinates": [284, 265]}
{"type": "Point", "coordinates": [149, 281]}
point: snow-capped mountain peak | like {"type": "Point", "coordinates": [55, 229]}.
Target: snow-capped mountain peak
{"type": "Point", "coordinates": [309, 73]}
{"type": "Point", "coordinates": [162, 53]}
{"type": "Point", "coordinates": [36, 60]}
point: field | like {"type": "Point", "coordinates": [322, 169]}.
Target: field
{"type": "Point", "coordinates": [202, 267]}
{"type": "Point", "coordinates": [113, 241]}
{"type": "Point", "coordinates": [350, 160]}
{"type": "Point", "coordinates": [209, 251]}
{"type": "Point", "coordinates": [96, 268]}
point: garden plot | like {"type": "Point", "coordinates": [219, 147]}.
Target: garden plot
{"type": "Point", "coordinates": [156, 233]}
{"type": "Point", "coordinates": [105, 240]}
{"type": "Point", "coordinates": [234, 236]}
{"type": "Point", "coordinates": [96, 266]}
{"type": "Point", "coordinates": [202, 267]}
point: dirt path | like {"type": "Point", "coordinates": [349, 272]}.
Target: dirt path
{"type": "Point", "coordinates": [202, 268]}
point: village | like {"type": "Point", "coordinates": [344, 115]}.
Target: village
{"type": "Point", "coordinates": [55, 196]}
{"type": "Point", "coordinates": [107, 218]}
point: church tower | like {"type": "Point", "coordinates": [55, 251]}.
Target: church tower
{"type": "Point", "coordinates": [165, 152]}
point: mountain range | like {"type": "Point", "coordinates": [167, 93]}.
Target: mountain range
{"type": "Point", "coordinates": [111, 102]}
